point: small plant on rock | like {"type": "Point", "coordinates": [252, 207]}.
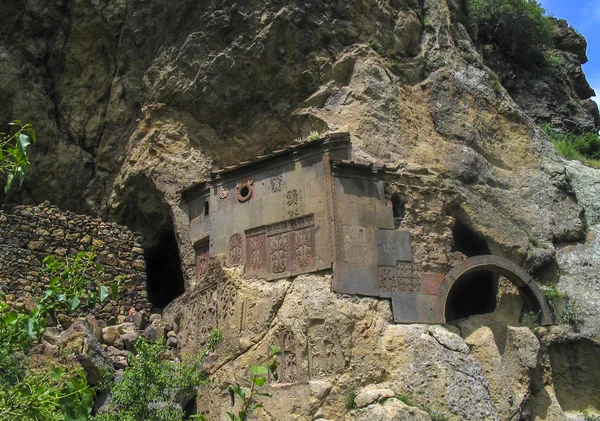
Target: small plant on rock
{"type": "Point", "coordinates": [349, 396]}
{"type": "Point", "coordinates": [314, 135]}
{"type": "Point", "coordinates": [572, 315]}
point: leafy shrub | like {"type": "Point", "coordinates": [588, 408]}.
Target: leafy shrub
{"type": "Point", "coordinates": [46, 394]}
{"type": "Point", "coordinates": [518, 27]}
{"type": "Point", "coordinates": [151, 385]}
{"type": "Point", "coordinates": [584, 147]}
{"type": "Point", "coordinates": [13, 152]}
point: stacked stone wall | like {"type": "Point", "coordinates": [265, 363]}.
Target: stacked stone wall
{"type": "Point", "coordinates": [30, 233]}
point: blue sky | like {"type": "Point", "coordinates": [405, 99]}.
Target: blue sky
{"type": "Point", "coordinates": [584, 16]}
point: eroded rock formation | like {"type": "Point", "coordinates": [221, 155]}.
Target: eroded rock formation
{"type": "Point", "coordinates": [134, 101]}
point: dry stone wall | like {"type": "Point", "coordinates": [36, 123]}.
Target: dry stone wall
{"type": "Point", "coordinates": [29, 233]}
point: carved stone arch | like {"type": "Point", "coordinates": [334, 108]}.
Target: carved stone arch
{"type": "Point", "coordinates": [528, 289]}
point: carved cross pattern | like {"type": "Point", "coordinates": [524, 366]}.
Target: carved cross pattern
{"type": "Point", "coordinates": [278, 253]}
{"type": "Point", "coordinates": [387, 279]}
{"type": "Point", "coordinates": [201, 262]}
{"type": "Point", "coordinates": [256, 252]}
{"type": "Point", "coordinates": [235, 249]}
{"type": "Point", "coordinates": [227, 301]}
{"type": "Point", "coordinates": [288, 364]}
{"type": "Point", "coordinates": [277, 183]}
{"type": "Point", "coordinates": [293, 202]}
{"type": "Point", "coordinates": [304, 247]}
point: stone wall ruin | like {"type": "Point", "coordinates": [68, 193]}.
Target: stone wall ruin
{"type": "Point", "coordinates": [29, 233]}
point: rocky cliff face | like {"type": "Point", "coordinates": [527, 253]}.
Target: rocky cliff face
{"type": "Point", "coordinates": [135, 100]}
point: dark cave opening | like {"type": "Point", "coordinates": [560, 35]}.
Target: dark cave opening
{"type": "Point", "coordinates": [472, 293]}
{"type": "Point", "coordinates": [467, 241]}
{"type": "Point", "coordinates": [164, 278]}
{"type": "Point", "coordinates": [398, 208]}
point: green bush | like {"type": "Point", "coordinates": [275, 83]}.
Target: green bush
{"type": "Point", "coordinates": [30, 393]}
{"type": "Point", "coordinates": [518, 27]}
{"type": "Point", "coordinates": [349, 396]}
{"type": "Point", "coordinates": [584, 147]}
{"type": "Point", "coordinates": [152, 385]}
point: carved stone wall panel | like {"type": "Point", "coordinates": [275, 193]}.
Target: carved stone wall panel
{"type": "Point", "coordinates": [325, 352]}
{"type": "Point", "coordinates": [290, 367]}
{"type": "Point", "coordinates": [202, 260]}
{"type": "Point", "coordinates": [207, 320]}
{"type": "Point", "coordinates": [235, 250]}
{"type": "Point", "coordinates": [303, 250]}
{"type": "Point", "coordinates": [256, 254]}
{"type": "Point", "coordinates": [388, 283]}
{"type": "Point", "coordinates": [278, 257]}
{"type": "Point", "coordinates": [409, 276]}
{"type": "Point", "coordinates": [226, 299]}
{"type": "Point", "coordinates": [294, 203]}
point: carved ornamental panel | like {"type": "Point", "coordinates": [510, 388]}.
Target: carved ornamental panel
{"type": "Point", "coordinates": [282, 249]}
{"type": "Point", "coordinates": [202, 261]}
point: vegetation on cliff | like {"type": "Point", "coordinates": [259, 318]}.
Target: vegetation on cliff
{"type": "Point", "coordinates": [519, 27]}
{"type": "Point", "coordinates": [13, 152]}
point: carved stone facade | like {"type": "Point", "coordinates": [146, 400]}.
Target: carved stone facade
{"type": "Point", "coordinates": [310, 208]}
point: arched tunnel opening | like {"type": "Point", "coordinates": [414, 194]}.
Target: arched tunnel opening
{"type": "Point", "coordinates": [472, 293]}
{"type": "Point", "coordinates": [146, 212]}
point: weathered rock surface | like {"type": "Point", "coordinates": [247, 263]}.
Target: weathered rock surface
{"type": "Point", "coordinates": [390, 410]}
{"type": "Point", "coordinates": [135, 100]}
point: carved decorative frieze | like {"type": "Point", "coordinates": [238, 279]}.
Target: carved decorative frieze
{"type": "Point", "coordinates": [207, 319]}
{"type": "Point", "coordinates": [288, 248]}
{"type": "Point", "coordinates": [235, 250]}
{"type": "Point", "coordinates": [387, 280]}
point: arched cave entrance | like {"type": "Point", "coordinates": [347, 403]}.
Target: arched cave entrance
{"type": "Point", "coordinates": [145, 211]}
{"type": "Point", "coordinates": [164, 278]}
{"type": "Point", "coordinates": [474, 292]}
{"type": "Point", "coordinates": [470, 268]}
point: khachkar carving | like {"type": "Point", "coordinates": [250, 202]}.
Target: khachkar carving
{"type": "Point", "coordinates": [303, 249]}
{"type": "Point", "coordinates": [281, 249]}
{"type": "Point", "coordinates": [202, 260]}
{"type": "Point", "coordinates": [235, 250]}
{"type": "Point", "coordinates": [387, 280]}
{"type": "Point", "coordinates": [207, 320]}
{"type": "Point", "coordinates": [288, 370]}
{"type": "Point", "coordinates": [409, 276]}
{"type": "Point", "coordinates": [227, 294]}
{"type": "Point", "coordinates": [279, 246]}
{"type": "Point", "coordinates": [405, 277]}
{"type": "Point", "coordinates": [294, 203]}
{"type": "Point", "coordinates": [325, 355]}
{"type": "Point", "coordinates": [255, 253]}
{"type": "Point", "coordinates": [276, 183]}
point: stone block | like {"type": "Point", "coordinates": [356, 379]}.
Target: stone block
{"type": "Point", "coordinates": [351, 278]}
{"type": "Point", "coordinates": [405, 308]}
{"type": "Point", "coordinates": [359, 245]}
{"type": "Point", "coordinates": [392, 246]}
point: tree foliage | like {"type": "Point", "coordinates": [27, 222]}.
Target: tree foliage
{"type": "Point", "coordinates": [13, 152]}
{"type": "Point", "coordinates": [46, 394]}
{"type": "Point", "coordinates": [152, 385]}
{"type": "Point", "coordinates": [518, 27]}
